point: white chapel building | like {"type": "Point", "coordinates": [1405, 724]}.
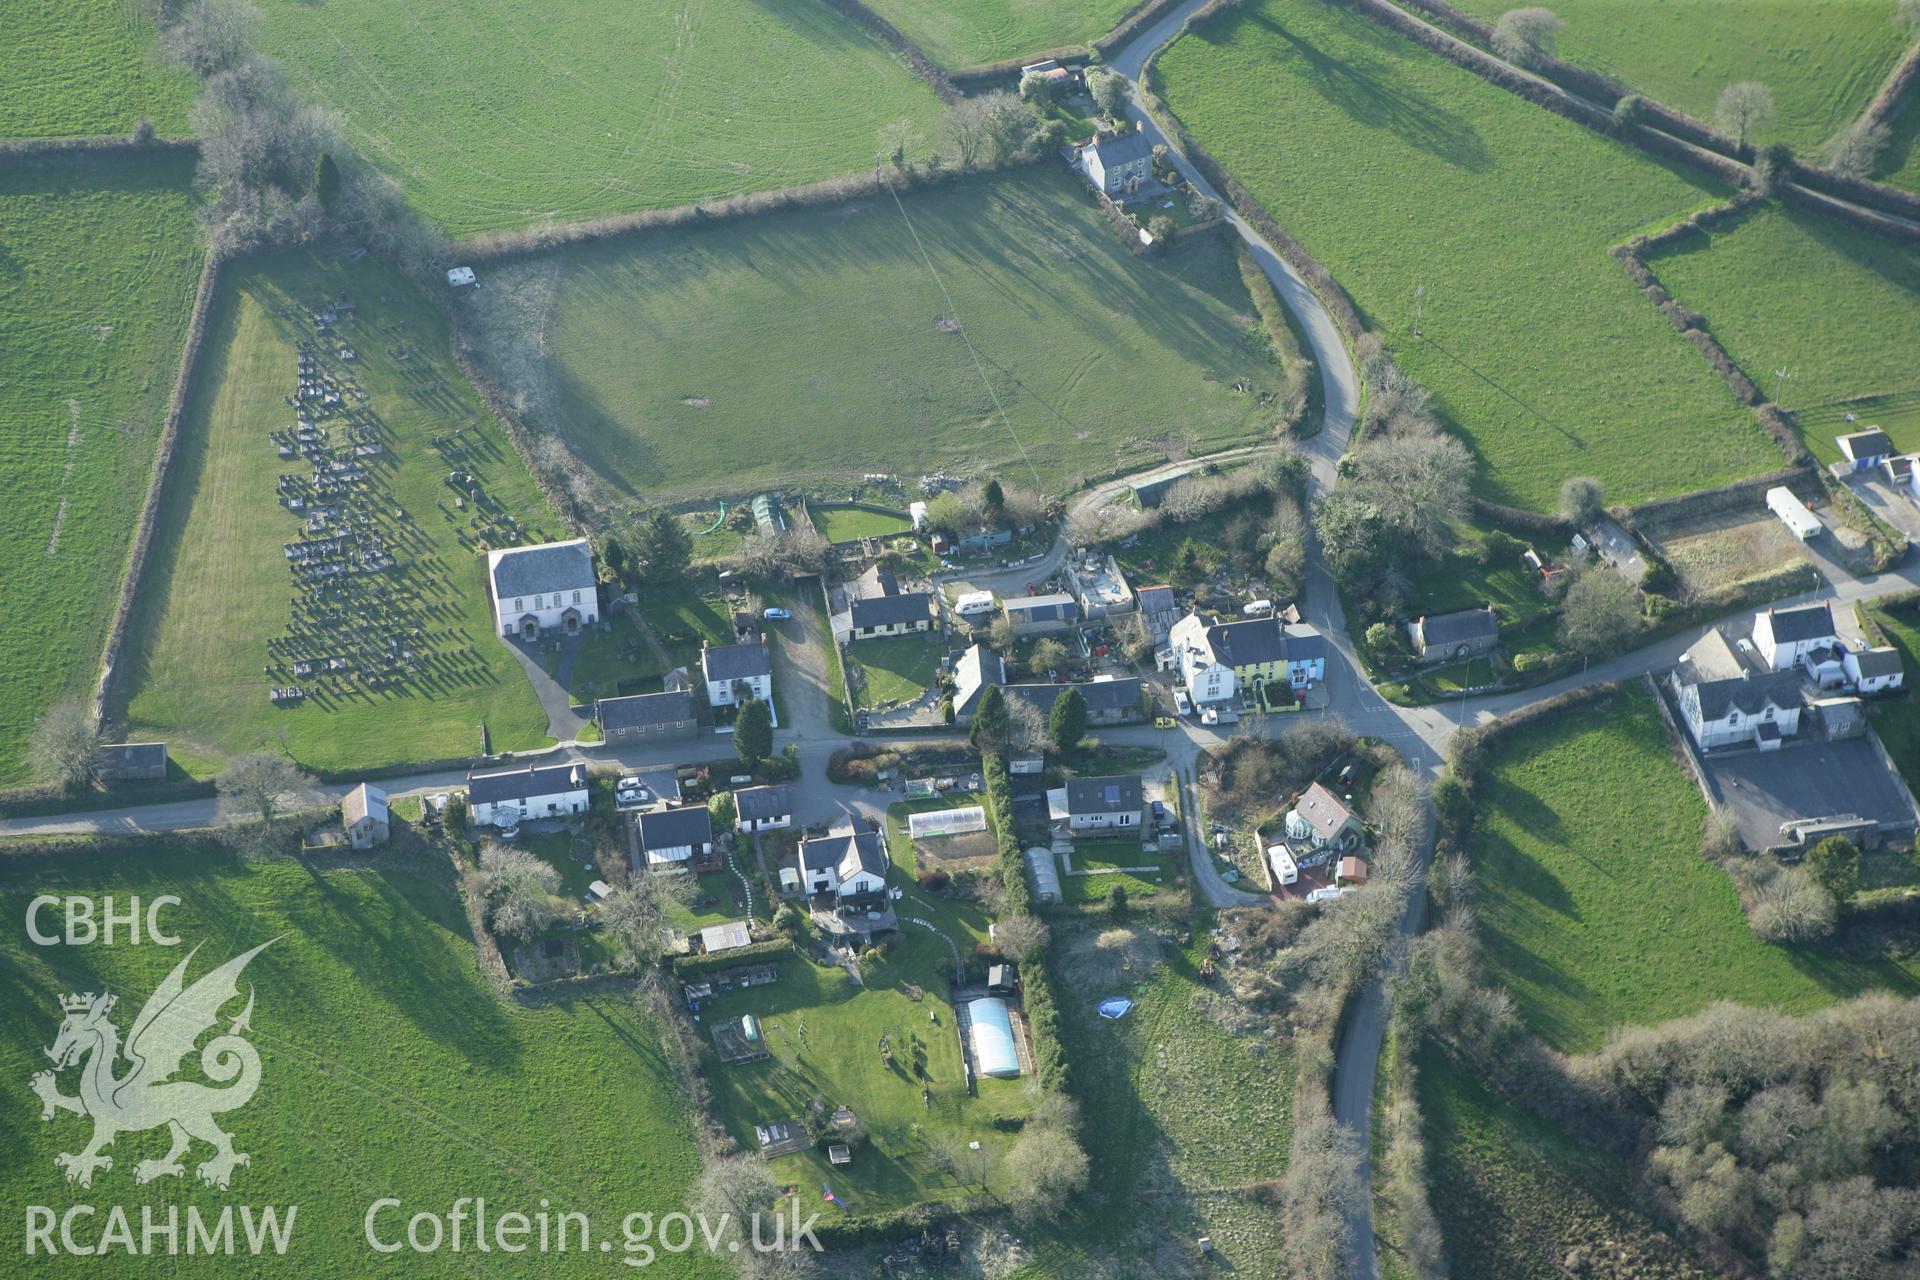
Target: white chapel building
{"type": "Point", "coordinates": [549, 587]}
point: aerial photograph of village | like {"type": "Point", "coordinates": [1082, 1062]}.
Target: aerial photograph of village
{"type": "Point", "coordinates": [994, 639]}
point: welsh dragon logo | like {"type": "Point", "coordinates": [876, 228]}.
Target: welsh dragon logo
{"type": "Point", "coordinates": [143, 1095]}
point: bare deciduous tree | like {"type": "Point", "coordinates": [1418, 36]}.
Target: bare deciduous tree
{"type": "Point", "coordinates": [1601, 613]}
{"type": "Point", "coordinates": [1419, 483]}
{"type": "Point", "coordinates": [212, 35]}
{"type": "Point", "coordinates": [638, 914]}
{"type": "Point", "coordinates": [1021, 937]}
{"type": "Point", "coordinates": [1581, 501]}
{"type": "Point", "coordinates": [519, 889]}
{"type": "Point", "coordinates": [65, 745]}
{"type": "Point", "coordinates": [260, 784]}
{"type": "Point", "coordinates": [1855, 153]}
{"type": "Point", "coordinates": [1046, 1168]}
{"type": "Point", "coordinates": [1528, 36]}
{"type": "Point", "coordinates": [1321, 1192]}
{"type": "Point", "coordinates": [1742, 108]}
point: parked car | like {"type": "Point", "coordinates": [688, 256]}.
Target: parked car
{"type": "Point", "coordinates": [1163, 722]}
{"type": "Point", "coordinates": [1328, 894]}
{"type": "Point", "coordinates": [777, 615]}
{"type": "Point", "coordinates": [1182, 703]}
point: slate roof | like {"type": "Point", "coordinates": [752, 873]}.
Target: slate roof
{"type": "Point", "coordinates": [1324, 811]}
{"type": "Point", "coordinates": [522, 784]}
{"type": "Point", "coordinates": [1883, 661]}
{"type": "Point", "coordinates": [757, 804]}
{"type": "Point", "coordinates": [1249, 643]}
{"type": "Point", "coordinates": [737, 661]}
{"type": "Point", "coordinates": [1304, 643]}
{"type": "Point", "coordinates": [1871, 443]}
{"type": "Point", "coordinates": [977, 668]}
{"type": "Point", "coordinates": [1121, 148]}
{"type": "Point", "coordinates": [877, 582]}
{"type": "Point", "coordinates": [363, 802]}
{"type": "Point", "coordinates": [1442, 631]}
{"type": "Point", "coordinates": [552, 566]}
{"type": "Point", "coordinates": [1100, 695]}
{"type": "Point", "coordinates": [886, 611]}
{"type": "Point", "coordinates": [672, 828]}
{"type": "Point", "coordinates": [132, 756]}
{"type": "Point", "coordinates": [644, 710]}
{"type": "Point", "coordinates": [1804, 622]}
{"type": "Point", "coordinates": [1156, 600]}
{"type": "Point", "coordinates": [1750, 693]}
{"type": "Point", "coordinates": [1041, 606]}
{"type": "Point", "coordinates": [1120, 794]}
{"type": "Point", "coordinates": [846, 853]}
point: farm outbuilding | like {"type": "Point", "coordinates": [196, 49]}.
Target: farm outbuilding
{"type": "Point", "coordinates": [991, 1025]}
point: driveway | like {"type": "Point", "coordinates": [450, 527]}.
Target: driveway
{"type": "Point", "coordinates": [562, 724]}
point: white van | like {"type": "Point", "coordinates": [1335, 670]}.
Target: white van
{"type": "Point", "coordinates": [1328, 894]}
{"type": "Point", "coordinates": [1258, 608]}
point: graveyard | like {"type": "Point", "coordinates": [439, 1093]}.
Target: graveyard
{"type": "Point", "coordinates": [318, 567]}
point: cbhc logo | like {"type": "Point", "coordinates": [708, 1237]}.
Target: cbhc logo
{"type": "Point", "coordinates": [84, 926]}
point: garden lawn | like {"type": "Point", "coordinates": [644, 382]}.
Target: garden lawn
{"type": "Point", "coordinates": [682, 619]}
{"type": "Point", "coordinates": [494, 117]}
{"type": "Point", "coordinates": [1463, 581]}
{"type": "Point", "coordinates": [98, 265]}
{"type": "Point", "coordinates": [1514, 1195]}
{"type": "Point", "coordinates": [218, 585]}
{"type": "Point", "coordinates": [1399, 170]}
{"type": "Point", "coordinates": [1105, 856]}
{"type": "Point", "coordinates": [388, 1066]}
{"type": "Point", "coordinates": [817, 346]}
{"type": "Point", "coordinates": [1183, 1115]}
{"type": "Point", "coordinates": [1897, 720]}
{"type": "Point", "coordinates": [1595, 906]}
{"type": "Point", "coordinates": [614, 663]}
{"type": "Point", "coordinates": [897, 669]}
{"type": "Point", "coordinates": [966, 33]}
{"type": "Point", "coordinates": [1837, 309]}
{"type": "Point", "coordinates": [79, 69]}
{"type": "Point", "coordinates": [850, 524]}
{"type": "Point", "coordinates": [1823, 59]}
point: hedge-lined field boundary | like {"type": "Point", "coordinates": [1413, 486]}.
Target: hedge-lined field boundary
{"type": "Point", "coordinates": [886, 33]}
{"type": "Point", "coordinates": [1606, 92]}
{"type": "Point", "coordinates": [149, 521]}
{"type": "Point", "coordinates": [497, 246]}
{"type": "Point", "coordinates": [112, 145]}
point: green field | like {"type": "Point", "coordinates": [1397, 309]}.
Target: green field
{"type": "Point", "coordinates": [1186, 1121]}
{"type": "Point", "coordinates": [1399, 170]}
{"type": "Point", "coordinates": [98, 264]}
{"type": "Point", "coordinates": [1823, 59]}
{"type": "Point", "coordinates": [1837, 309]}
{"type": "Point", "coordinates": [219, 586]}
{"type": "Point", "coordinates": [818, 345]}
{"type": "Point", "coordinates": [389, 1069]}
{"type": "Point", "coordinates": [1595, 906]}
{"type": "Point", "coordinates": [1105, 856]}
{"type": "Point", "coordinates": [966, 33]}
{"type": "Point", "coordinates": [1515, 1195]}
{"type": "Point", "coordinates": [897, 669]}
{"type": "Point", "coordinates": [493, 118]}
{"type": "Point", "coordinates": [79, 69]}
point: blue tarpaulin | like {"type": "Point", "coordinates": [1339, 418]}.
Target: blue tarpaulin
{"type": "Point", "coordinates": [1118, 1007]}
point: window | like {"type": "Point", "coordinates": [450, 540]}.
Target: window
{"type": "Point", "coordinates": [518, 604]}
{"type": "Point", "coordinates": [576, 597]}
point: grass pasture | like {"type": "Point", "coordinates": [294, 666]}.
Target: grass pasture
{"type": "Point", "coordinates": [1400, 171]}
{"type": "Point", "coordinates": [966, 33]}
{"type": "Point", "coordinates": [1188, 1115]}
{"type": "Point", "coordinates": [817, 346]}
{"type": "Point", "coordinates": [1900, 161]}
{"type": "Point", "coordinates": [1595, 906]}
{"type": "Point", "coordinates": [1515, 1195]}
{"type": "Point", "coordinates": [388, 1066]}
{"type": "Point", "coordinates": [1823, 59]}
{"type": "Point", "coordinates": [218, 585]}
{"type": "Point", "coordinates": [496, 118]}
{"type": "Point", "coordinates": [1836, 308]}
{"type": "Point", "coordinates": [98, 266]}
{"type": "Point", "coordinates": [81, 69]}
